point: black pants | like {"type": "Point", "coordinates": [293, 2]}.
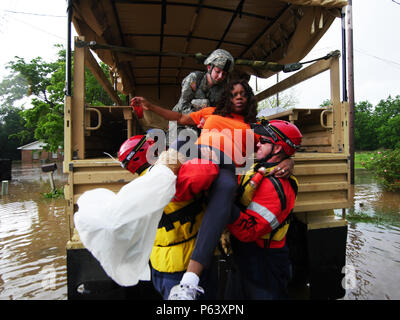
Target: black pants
{"type": "Point", "coordinates": [219, 207]}
{"type": "Point", "coordinates": [259, 274]}
{"type": "Point", "coordinates": [218, 214]}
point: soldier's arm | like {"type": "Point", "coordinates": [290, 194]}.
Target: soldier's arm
{"type": "Point", "coordinates": [184, 104]}
{"type": "Point", "coordinates": [182, 119]}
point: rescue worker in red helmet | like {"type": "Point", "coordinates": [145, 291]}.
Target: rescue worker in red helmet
{"type": "Point", "coordinates": [181, 219]}
{"type": "Point", "coordinates": [133, 153]}
{"type": "Point", "coordinates": [264, 207]}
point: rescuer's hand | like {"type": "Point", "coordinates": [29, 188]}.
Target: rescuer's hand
{"type": "Point", "coordinates": [284, 169]}
{"type": "Point", "coordinates": [226, 241]}
{"type": "Point", "coordinates": [172, 159]}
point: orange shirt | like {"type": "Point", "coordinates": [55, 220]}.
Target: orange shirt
{"type": "Point", "coordinates": [227, 134]}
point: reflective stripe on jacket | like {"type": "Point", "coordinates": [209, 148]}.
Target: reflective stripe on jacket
{"type": "Point", "coordinates": [265, 210]}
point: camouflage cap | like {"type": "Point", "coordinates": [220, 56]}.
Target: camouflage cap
{"type": "Point", "coordinates": [221, 59]}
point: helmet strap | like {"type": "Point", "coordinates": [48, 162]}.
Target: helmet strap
{"type": "Point", "coordinates": [131, 154]}
{"type": "Point", "coordinates": [270, 155]}
{"type": "Point", "coordinates": [213, 81]}
{"type": "Point", "coordinates": [142, 168]}
{"type": "Point", "coordinates": [227, 65]}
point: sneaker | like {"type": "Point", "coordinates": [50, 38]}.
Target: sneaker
{"type": "Point", "coordinates": [184, 292]}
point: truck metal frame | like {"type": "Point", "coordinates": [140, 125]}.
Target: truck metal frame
{"type": "Point", "coordinates": [317, 238]}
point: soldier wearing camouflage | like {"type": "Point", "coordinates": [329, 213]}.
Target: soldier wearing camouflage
{"type": "Point", "coordinates": [201, 89]}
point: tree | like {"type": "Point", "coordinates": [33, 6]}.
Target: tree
{"type": "Point", "coordinates": [286, 100]}
{"type": "Point", "coordinates": [45, 119]}
{"type": "Point", "coordinates": [387, 122]}
{"type": "Point", "coordinates": [379, 126]}
{"type": "Point", "coordinates": [365, 136]}
{"type": "Point", "coordinates": [46, 83]}
{"type": "Point", "coordinates": [13, 88]}
{"type": "Point", "coordinates": [11, 124]}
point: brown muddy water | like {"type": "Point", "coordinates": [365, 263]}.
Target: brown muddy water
{"type": "Point", "coordinates": [373, 242]}
{"type": "Point", "coordinates": [33, 235]}
{"type": "Point", "coordinates": [34, 232]}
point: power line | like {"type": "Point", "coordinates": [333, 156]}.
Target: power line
{"type": "Point", "coordinates": [40, 29]}
{"type": "Point", "coordinates": [35, 14]}
{"type": "Point", "coordinates": [379, 58]}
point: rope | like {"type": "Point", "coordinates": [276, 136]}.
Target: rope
{"type": "Point", "coordinates": [272, 66]}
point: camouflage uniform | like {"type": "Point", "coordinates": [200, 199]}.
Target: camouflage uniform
{"type": "Point", "coordinates": [195, 86]}
{"type": "Point", "coordinates": [195, 80]}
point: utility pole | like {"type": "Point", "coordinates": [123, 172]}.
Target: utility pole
{"type": "Point", "coordinates": [68, 65]}
{"type": "Point", "coordinates": [277, 94]}
{"type": "Point", "coordinates": [350, 85]}
{"type": "Point", "coordinates": [344, 55]}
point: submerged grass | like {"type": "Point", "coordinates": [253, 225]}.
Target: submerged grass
{"type": "Point", "coordinates": [386, 219]}
{"type": "Point", "coordinates": [55, 194]}
{"type": "Point", "coordinates": [361, 156]}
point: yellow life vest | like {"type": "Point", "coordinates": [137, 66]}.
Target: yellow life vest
{"type": "Point", "coordinates": [246, 193]}
{"type": "Point", "coordinates": [176, 234]}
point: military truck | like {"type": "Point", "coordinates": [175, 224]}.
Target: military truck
{"type": "Point", "coordinates": [149, 47]}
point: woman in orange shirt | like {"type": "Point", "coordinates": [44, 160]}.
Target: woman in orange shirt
{"type": "Point", "coordinates": [225, 132]}
{"type": "Point", "coordinates": [226, 127]}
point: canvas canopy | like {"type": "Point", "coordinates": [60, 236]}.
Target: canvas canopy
{"type": "Point", "coordinates": [270, 31]}
{"type": "Point", "coordinates": [321, 3]}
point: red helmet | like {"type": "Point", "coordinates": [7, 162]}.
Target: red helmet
{"type": "Point", "coordinates": [132, 153]}
{"type": "Point", "coordinates": [282, 133]}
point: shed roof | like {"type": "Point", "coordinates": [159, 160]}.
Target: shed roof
{"type": "Point", "coordinates": [35, 145]}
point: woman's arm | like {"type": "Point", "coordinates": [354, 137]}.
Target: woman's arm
{"type": "Point", "coordinates": [284, 169]}
{"type": "Point", "coordinates": [182, 119]}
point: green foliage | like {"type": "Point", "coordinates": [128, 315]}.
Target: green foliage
{"type": "Point", "coordinates": [95, 92]}
{"type": "Point", "coordinates": [37, 73]}
{"type": "Point", "coordinates": [286, 101]}
{"type": "Point", "coordinates": [379, 126]}
{"type": "Point", "coordinates": [11, 124]}
{"type": "Point", "coordinates": [385, 165]}
{"type": "Point", "coordinates": [361, 157]}
{"type": "Point", "coordinates": [326, 103]}
{"type": "Point", "coordinates": [12, 88]}
{"type": "Point", "coordinates": [45, 82]}
{"type": "Point", "coordinates": [47, 102]}
{"type": "Point", "coordinates": [54, 194]}
{"type": "Point", "coordinates": [376, 127]}
{"type": "Point", "coordinates": [365, 137]}
{"type": "Point", "coordinates": [377, 219]}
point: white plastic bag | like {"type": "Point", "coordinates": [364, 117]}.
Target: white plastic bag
{"type": "Point", "coordinates": [119, 229]}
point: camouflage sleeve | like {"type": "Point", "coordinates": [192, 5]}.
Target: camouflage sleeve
{"type": "Point", "coordinates": [184, 104]}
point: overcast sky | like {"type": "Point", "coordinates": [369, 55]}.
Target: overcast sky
{"type": "Point", "coordinates": [376, 26]}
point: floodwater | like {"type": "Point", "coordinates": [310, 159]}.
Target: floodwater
{"type": "Point", "coordinates": [33, 235]}
{"type": "Point", "coordinates": [373, 248]}
{"type": "Point", "coordinates": [34, 232]}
